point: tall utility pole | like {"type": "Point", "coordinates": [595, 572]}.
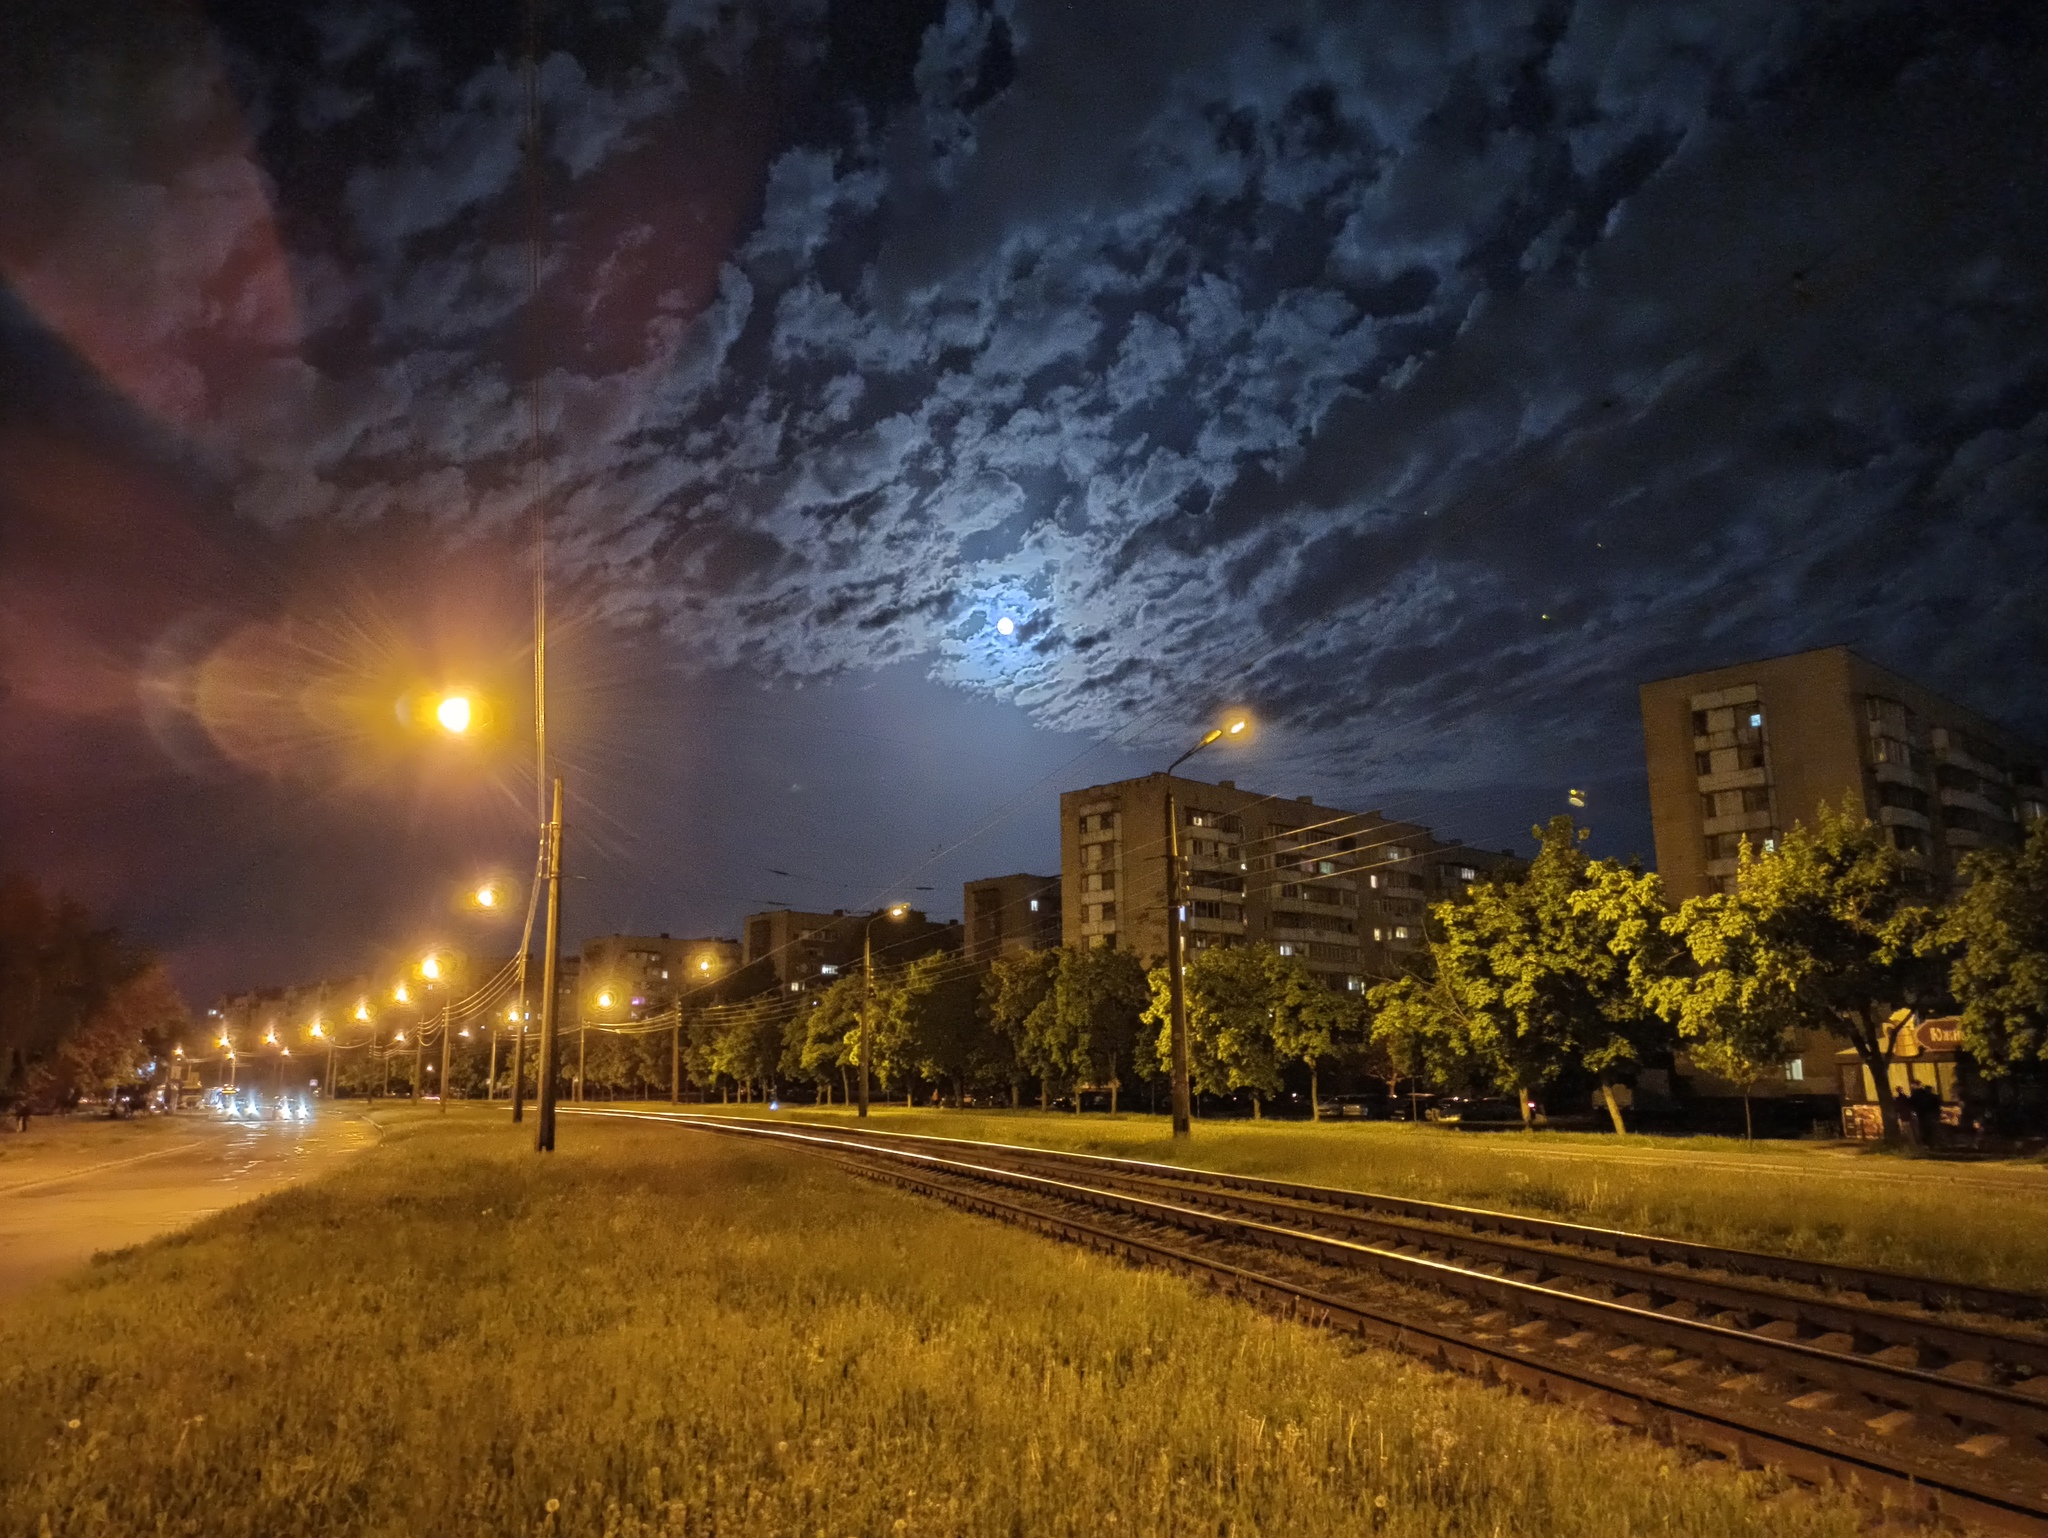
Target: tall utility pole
{"type": "Point", "coordinates": [544, 1134]}
{"type": "Point", "coordinates": [1176, 986]}
{"type": "Point", "coordinates": [418, 1048]}
{"type": "Point", "coordinates": [490, 1078]}
{"type": "Point", "coordinates": [446, 1022]}
{"type": "Point", "coordinates": [675, 1059]}
{"type": "Point", "coordinates": [1176, 982]}
{"type": "Point", "coordinates": [519, 1061]}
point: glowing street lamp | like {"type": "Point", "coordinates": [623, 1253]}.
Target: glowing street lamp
{"type": "Point", "coordinates": [454, 713]}
{"type": "Point", "coordinates": [867, 988]}
{"type": "Point", "coordinates": [1237, 727]}
{"type": "Point", "coordinates": [430, 968]}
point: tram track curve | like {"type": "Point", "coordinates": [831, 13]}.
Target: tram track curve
{"type": "Point", "coordinates": [1722, 1349]}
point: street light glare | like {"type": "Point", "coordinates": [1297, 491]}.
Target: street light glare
{"type": "Point", "coordinates": [453, 713]}
{"type": "Point", "coordinates": [400, 994]}
{"type": "Point", "coordinates": [604, 1000]}
{"type": "Point", "coordinates": [1239, 725]}
{"type": "Point", "coordinates": [431, 967]}
{"type": "Point", "coordinates": [487, 897]}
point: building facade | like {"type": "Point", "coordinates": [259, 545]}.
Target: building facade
{"type": "Point", "coordinates": [644, 974]}
{"type": "Point", "coordinates": [1345, 891]}
{"type": "Point", "coordinates": [1006, 915]}
{"type": "Point", "coordinates": [1750, 750]}
{"type": "Point", "coordinates": [811, 950]}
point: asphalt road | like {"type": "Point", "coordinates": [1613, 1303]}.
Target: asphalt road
{"type": "Point", "coordinates": [57, 1211]}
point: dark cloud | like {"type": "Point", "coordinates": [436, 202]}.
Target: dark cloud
{"type": "Point", "coordinates": [1429, 375]}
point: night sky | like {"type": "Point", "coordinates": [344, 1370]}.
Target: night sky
{"type": "Point", "coordinates": [1425, 377]}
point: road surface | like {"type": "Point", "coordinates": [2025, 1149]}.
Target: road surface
{"type": "Point", "coordinates": [76, 1194]}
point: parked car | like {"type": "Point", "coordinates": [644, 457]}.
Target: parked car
{"type": "Point", "coordinates": [1484, 1111]}
{"type": "Point", "coordinates": [1355, 1107]}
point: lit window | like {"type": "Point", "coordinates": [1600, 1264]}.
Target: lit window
{"type": "Point", "coordinates": [830, 969]}
{"type": "Point", "coordinates": [1034, 905]}
{"type": "Point", "coordinates": [1795, 1071]}
{"type": "Point", "coordinates": [1756, 718]}
{"type": "Point", "coordinates": [1378, 937]}
{"type": "Point", "coordinates": [1287, 950]}
{"type": "Point", "coordinates": [1770, 846]}
{"type": "Point", "coordinates": [1400, 931]}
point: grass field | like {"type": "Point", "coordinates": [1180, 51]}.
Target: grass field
{"type": "Point", "coordinates": [658, 1332]}
{"type": "Point", "coordinates": [1984, 1223]}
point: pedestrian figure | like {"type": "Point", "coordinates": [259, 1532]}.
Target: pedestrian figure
{"type": "Point", "coordinates": [21, 1115]}
{"type": "Point", "coordinates": [1926, 1114]}
{"type": "Point", "coordinates": [1902, 1112]}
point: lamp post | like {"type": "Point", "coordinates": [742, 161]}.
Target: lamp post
{"type": "Point", "coordinates": [1176, 985]}
{"type": "Point", "coordinates": [447, 1030]}
{"type": "Point", "coordinates": [551, 868]}
{"type": "Point", "coordinates": [867, 989]}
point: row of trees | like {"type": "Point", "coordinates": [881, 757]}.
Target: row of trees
{"type": "Point", "coordinates": [1571, 970]}
{"type": "Point", "coordinates": [81, 1009]}
{"type": "Point", "coordinates": [1582, 964]}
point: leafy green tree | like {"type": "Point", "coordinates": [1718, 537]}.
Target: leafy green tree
{"type": "Point", "coordinates": [748, 1047]}
{"type": "Point", "coordinates": [1017, 1000]}
{"type": "Point", "coordinates": [1098, 1005]}
{"type": "Point", "coordinates": [135, 1020]}
{"type": "Point", "coordinates": [1997, 933]}
{"type": "Point", "coordinates": [1232, 995]}
{"type": "Point", "coordinates": [57, 971]}
{"type": "Point", "coordinates": [1426, 1028]}
{"type": "Point", "coordinates": [1312, 1022]}
{"type": "Point", "coordinates": [1540, 983]}
{"type": "Point", "coordinates": [1731, 1025]}
{"type": "Point", "coordinates": [1826, 933]}
{"type": "Point", "coordinates": [819, 1042]}
{"type": "Point", "coordinates": [936, 1013]}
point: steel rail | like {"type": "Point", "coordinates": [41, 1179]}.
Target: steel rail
{"type": "Point", "coordinates": [1926, 1292]}
{"type": "Point", "coordinates": [1971, 1406]}
{"type": "Point", "coordinates": [1860, 1328]}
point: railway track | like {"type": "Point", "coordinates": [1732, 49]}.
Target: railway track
{"type": "Point", "coordinates": [1928, 1394]}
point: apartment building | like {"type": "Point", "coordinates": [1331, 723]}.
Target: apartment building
{"type": "Point", "coordinates": [1747, 751]}
{"type": "Point", "coordinates": [1009, 914]}
{"type": "Point", "coordinates": [1345, 891]}
{"type": "Point", "coordinates": [644, 974]}
{"type": "Point", "coordinates": [811, 949]}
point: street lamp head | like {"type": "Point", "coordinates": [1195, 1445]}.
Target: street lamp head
{"type": "Point", "coordinates": [487, 896]}
{"type": "Point", "coordinates": [318, 1030]}
{"type": "Point", "coordinates": [401, 995]}
{"type": "Point", "coordinates": [430, 968]}
{"type": "Point", "coordinates": [897, 910]}
{"type": "Point", "coordinates": [363, 1011]}
{"type": "Point", "coordinates": [453, 712]}
{"type": "Point", "coordinates": [604, 1000]}
{"type": "Point", "coordinates": [1238, 726]}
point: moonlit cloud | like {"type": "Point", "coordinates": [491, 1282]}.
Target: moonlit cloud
{"type": "Point", "coordinates": [1429, 374]}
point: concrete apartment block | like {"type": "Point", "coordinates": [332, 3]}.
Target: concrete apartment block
{"type": "Point", "coordinates": [1345, 891]}
{"type": "Point", "coordinates": [1006, 915]}
{"type": "Point", "coordinates": [1748, 751]}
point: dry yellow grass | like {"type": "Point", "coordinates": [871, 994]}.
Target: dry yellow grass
{"type": "Point", "coordinates": [661, 1332]}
